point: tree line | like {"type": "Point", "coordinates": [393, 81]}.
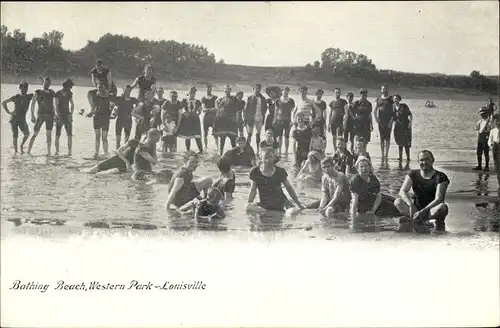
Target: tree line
{"type": "Point", "coordinates": [337, 63]}
{"type": "Point", "coordinates": [176, 61]}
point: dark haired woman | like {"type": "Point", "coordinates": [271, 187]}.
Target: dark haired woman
{"type": "Point", "coordinates": [402, 127]}
{"type": "Point", "coordinates": [190, 125]}
{"type": "Point", "coordinates": [226, 182]}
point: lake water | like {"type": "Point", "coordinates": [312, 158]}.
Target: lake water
{"type": "Point", "coordinates": [48, 196]}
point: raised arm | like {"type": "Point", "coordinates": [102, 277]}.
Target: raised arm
{"type": "Point", "coordinates": [136, 82]}
{"type": "Point", "coordinates": [173, 192]}
{"type": "Point", "coordinates": [292, 193]}
{"type": "Point", "coordinates": [32, 106]}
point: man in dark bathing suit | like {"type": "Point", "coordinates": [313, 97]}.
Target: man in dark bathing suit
{"type": "Point", "coordinates": [45, 100]}
{"type": "Point", "coordinates": [124, 106]}
{"type": "Point", "coordinates": [336, 117]}
{"type": "Point", "coordinates": [145, 120]}
{"type": "Point", "coordinates": [210, 111]}
{"type": "Point", "coordinates": [429, 186]}
{"type": "Point", "coordinates": [146, 82]}
{"type": "Point", "coordinates": [120, 163]}
{"type": "Point", "coordinates": [384, 115]}
{"type": "Point", "coordinates": [64, 114]}
{"type": "Point", "coordinates": [101, 117]}
{"type": "Point", "coordinates": [101, 74]}
{"type": "Point", "coordinates": [18, 116]}
{"type": "Point", "coordinates": [241, 155]}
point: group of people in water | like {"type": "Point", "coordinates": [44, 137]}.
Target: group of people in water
{"type": "Point", "coordinates": [158, 119]}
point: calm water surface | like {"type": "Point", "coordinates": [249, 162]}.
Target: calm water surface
{"type": "Point", "coordinates": [49, 194]}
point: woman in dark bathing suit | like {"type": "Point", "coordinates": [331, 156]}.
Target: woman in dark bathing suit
{"type": "Point", "coordinates": [267, 179]}
{"type": "Point", "coordinates": [182, 187]}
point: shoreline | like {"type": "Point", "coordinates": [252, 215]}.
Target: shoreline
{"type": "Point", "coordinates": [219, 85]}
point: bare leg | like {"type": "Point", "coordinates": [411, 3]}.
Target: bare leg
{"type": "Point", "coordinates": [334, 139]}
{"type": "Point", "coordinates": [387, 147]}
{"type": "Point", "coordinates": [97, 141]}
{"type": "Point", "coordinates": [118, 141]}
{"type": "Point", "coordinates": [400, 150]}
{"type": "Point", "coordinates": [249, 134]}
{"type": "Point", "coordinates": [287, 145]}
{"type": "Point", "coordinates": [407, 151]}
{"type": "Point", "coordinates": [32, 141]}
{"type": "Point", "coordinates": [382, 148]}
{"type": "Point", "coordinates": [14, 142]}
{"type": "Point", "coordinates": [280, 142]}
{"type": "Point", "coordinates": [49, 142]}
{"type": "Point", "coordinates": [70, 144]}
{"type": "Point", "coordinates": [56, 143]}
{"type": "Point", "coordinates": [25, 138]}
{"type": "Point", "coordinates": [105, 142]}
{"type": "Point", "coordinates": [257, 140]}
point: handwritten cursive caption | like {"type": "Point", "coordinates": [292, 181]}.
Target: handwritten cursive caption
{"type": "Point", "coordinates": [62, 285]}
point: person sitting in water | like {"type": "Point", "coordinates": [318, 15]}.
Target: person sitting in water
{"type": "Point", "coordinates": [182, 187]}
{"type": "Point", "coordinates": [336, 196]}
{"type": "Point", "coordinates": [365, 193]}
{"type": "Point", "coordinates": [429, 186]}
{"type": "Point", "coordinates": [360, 149]}
{"type": "Point", "coordinates": [311, 169]}
{"type": "Point", "coordinates": [207, 209]}
{"type": "Point", "coordinates": [145, 155]}
{"type": "Point", "coordinates": [318, 141]}
{"type": "Point", "coordinates": [226, 182]}
{"type": "Point", "coordinates": [120, 163]}
{"type": "Point", "coordinates": [267, 179]}
{"type": "Point", "coordinates": [343, 158]}
{"type": "Point", "coordinates": [270, 141]}
{"type": "Point", "coordinates": [242, 154]}
{"type": "Point", "coordinates": [302, 135]}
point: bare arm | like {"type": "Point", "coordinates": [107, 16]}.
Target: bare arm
{"type": "Point", "coordinates": [136, 81]}
{"type": "Point", "coordinates": [56, 105]}
{"type": "Point", "coordinates": [94, 81]}
{"type": "Point", "coordinates": [71, 106]}
{"type": "Point", "coordinates": [32, 107]}
{"type": "Point", "coordinates": [377, 202]}
{"type": "Point", "coordinates": [405, 189]}
{"type": "Point", "coordinates": [440, 194]}
{"type": "Point", "coordinates": [292, 193]}
{"type": "Point", "coordinates": [336, 196]}
{"type": "Point", "coordinates": [354, 205]}
{"type": "Point", "coordinates": [173, 192]}
{"type": "Point", "coordinates": [120, 152]}
{"type": "Point", "coordinates": [4, 105]}
{"type": "Point", "coordinates": [252, 193]}
{"type": "Point", "coordinates": [325, 199]}
{"type": "Point", "coordinates": [303, 168]}
{"type": "Point", "coordinates": [148, 157]}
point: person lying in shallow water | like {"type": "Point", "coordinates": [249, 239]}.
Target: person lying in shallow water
{"type": "Point", "coordinates": [207, 209]}
{"type": "Point", "coordinates": [267, 179]}
{"type": "Point", "coordinates": [429, 186]}
{"type": "Point", "coordinates": [145, 155]}
{"type": "Point", "coordinates": [120, 163]}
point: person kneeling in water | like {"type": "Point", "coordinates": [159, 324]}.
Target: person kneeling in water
{"type": "Point", "coordinates": [267, 179]}
{"type": "Point", "coordinates": [335, 187]}
{"type": "Point", "coordinates": [207, 209]}
{"type": "Point", "coordinates": [120, 163]}
{"type": "Point", "coordinates": [429, 186]}
{"type": "Point", "coordinates": [145, 155]}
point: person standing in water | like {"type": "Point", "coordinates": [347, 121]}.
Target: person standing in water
{"type": "Point", "coordinates": [146, 82]}
{"type": "Point", "coordinates": [321, 104]}
{"type": "Point", "coordinates": [171, 114]}
{"type": "Point", "coordinates": [101, 118]}
{"type": "Point", "coordinates": [402, 127]}
{"type": "Point", "coordinates": [363, 122]}
{"type": "Point", "coordinates": [144, 115]}
{"type": "Point", "coordinates": [100, 74]}
{"type": "Point", "coordinates": [283, 119]}
{"type": "Point", "coordinates": [273, 93]}
{"type": "Point", "coordinates": [337, 115]}
{"type": "Point", "coordinates": [124, 106]}
{"type": "Point", "coordinates": [46, 113]}
{"type": "Point", "coordinates": [18, 115]}
{"type": "Point", "coordinates": [241, 107]}
{"type": "Point", "coordinates": [157, 112]}
{"type": "Point", "coordinates": [306, 108]}
{"type": "Point", "coordinates": [64, 114]}
{"type": "Point", "coordinates": [302, 135]}
{"type": "Point", "coordinates": [494, 143]}
{"type": "Point", "coordinates": [483, 127]}
{"type": "Point", "coordinates": [254, 114]}
{"type": "Point", "coordinates": [348, 121]}
{"type": "Point", "coordinates": [384, 115]}
{"type": "Point", "coordinates": [209, 110]}
{"type": "Point", "coordinates": [429, 186]}
{"type": "Point", "coordinates": [492, 107]}
{"type": "Point", "coordinates": [268, 179]}
{"type": "Point", "coordinates": [189, 125]}
{"type": "Point", "coordinates": [225, 123]}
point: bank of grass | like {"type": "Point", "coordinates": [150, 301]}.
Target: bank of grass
{"type": "Point", "coordinates": [245, 83]}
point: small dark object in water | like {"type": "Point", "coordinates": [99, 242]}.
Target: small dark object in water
{"type": "Point", "coordinates": [96, 224]}
{"type": "Point", "coordinates": [308, 227]}
{"type": "Point", "coordinates": [484, 204]}
{"type": "Point", "coordinates": [17, 221]}
{"type": "Point", "coordinates": [89, 115]}
{"type": "Point", "coordinates": [81, 112]}
{"type": "Point", "coordinates": [144, 226]}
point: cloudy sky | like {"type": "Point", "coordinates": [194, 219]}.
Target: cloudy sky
{"type": "Point", "coordinates": [446, 37]}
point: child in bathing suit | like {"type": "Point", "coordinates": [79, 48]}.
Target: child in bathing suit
{"type": "Point", "coordinates": [207, 209]}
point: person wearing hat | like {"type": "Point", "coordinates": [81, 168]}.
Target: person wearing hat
{"type": "Point", "coordinates": [64, 113]}
{"type": "Point", "coordinates": [283, 119]}
{"type": "Point", "coordinates": [18, 115]}
{"type": "Point", "coordinates": [45, 99]}
{"type": "Point", "coordinates": [363, 122]}
{"type": "Point", "coordinates": [146, 82]}
{"type": "Point", "coordinates": [483, 127]}
{"type": "Point", "coordinates": [322, 106]}
{"type": "Point", "coordinates": [254, 114]}
{"type": "Point", "coordinates": [190, 125]}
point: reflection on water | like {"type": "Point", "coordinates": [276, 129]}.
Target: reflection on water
{"type": "Point", "coordinates": [37, 191]}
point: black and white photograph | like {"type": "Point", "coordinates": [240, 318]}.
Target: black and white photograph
{"type": "Point", "coordinates": [244, 164]}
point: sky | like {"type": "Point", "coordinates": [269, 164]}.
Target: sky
{"type": "Point", "coordinates": [423, 37]}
